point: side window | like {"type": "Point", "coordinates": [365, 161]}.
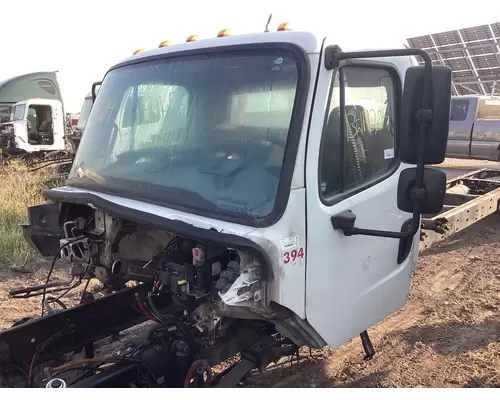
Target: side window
{"type": "Point", "coordinates": [32, 120]}
{"type": "Point", "coordinates": [360, 147]}
{"type": "Point", "coordinates": [459, 110]}
{"type": "Point", "coordinates": [19, 112]}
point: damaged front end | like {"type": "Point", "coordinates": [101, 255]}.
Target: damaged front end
{"type": "Point", "coordinates": [215, 278]}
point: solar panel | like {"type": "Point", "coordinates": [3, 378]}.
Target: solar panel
{"type": "Point", "coordinates": [473, 54]}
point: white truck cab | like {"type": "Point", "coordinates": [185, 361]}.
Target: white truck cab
{"type": "Point", "coordinates": [36, 125]}
{"type": "Point", "coordinates": [85, 112]}
{"type": "Point", "coordinates": [305, 160]}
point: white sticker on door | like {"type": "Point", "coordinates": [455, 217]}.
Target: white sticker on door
{"type": "Point", "coordinates": [388, 154]}
{"type": "Point", "coordinates": [289, 243]}
{"type": "Point", "coordinates": [291, 252]}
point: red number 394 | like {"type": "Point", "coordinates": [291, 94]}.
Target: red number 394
{"type": "Point", "coordinates": [293, 255]}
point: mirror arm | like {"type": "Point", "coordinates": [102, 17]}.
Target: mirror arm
{"type": "Point", "coordinates": [345, 221]}
{"type": "Point", "coordinates": [94, 87]}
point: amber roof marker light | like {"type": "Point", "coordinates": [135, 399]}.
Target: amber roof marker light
{"type": "Point", "coordinates": [285, 26]}
{"type": "Point", "coordinates": [165, 43]}
{"type": "Point", "coordinates": [224, 32]}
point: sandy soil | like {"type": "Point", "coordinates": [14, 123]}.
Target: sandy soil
{"type": "Point", "coordinates": [448, 334]}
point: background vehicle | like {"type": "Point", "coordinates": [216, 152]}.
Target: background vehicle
{"type": "Point", "coordinates": [35, 126]}
{"type": "Point", "coordinates": [475, 128]}
{"type": "Point", "coordinates": [239, 190]}
{"type": "Point", "coordinates": [43, 85]}
{"type": "Point", "coordinates": [40, 94]}
{"type": "Point", "coordinates": [75, 135]}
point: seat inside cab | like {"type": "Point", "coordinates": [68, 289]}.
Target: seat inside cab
{"type": "Point", "coordinates": [40, 126]}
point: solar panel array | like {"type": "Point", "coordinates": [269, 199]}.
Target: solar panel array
{"type": "Point", "coordinates": [473, 54]}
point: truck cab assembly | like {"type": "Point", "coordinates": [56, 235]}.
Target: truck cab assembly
{"type": "Point", "coordinates": [242, 195]}
{"type": "Point", "coordinates": [32, 120]}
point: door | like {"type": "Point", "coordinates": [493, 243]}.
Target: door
{"type": "Point", "coordinates": [485, 139]}
{"type": "Point", "coordinates": [353, 282]}
{"type": "Point", "coordinates": [58, 126]}
{"type": "Point", "coordinates": [462, 119]}
{"type": "Point", "coordinates": [20, 121]}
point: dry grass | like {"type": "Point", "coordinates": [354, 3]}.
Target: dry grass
{"type": "Point", "coordinates": [19, 189]}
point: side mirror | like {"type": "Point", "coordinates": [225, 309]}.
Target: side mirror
{"type": "Point", "coordinates": [434, 184]}
{"type": "Point", "coordinates": [439, 104]}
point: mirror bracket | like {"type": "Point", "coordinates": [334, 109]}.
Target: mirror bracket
{"type": "Point", "coordinates": [94, 90]}
{"type": "Point", "coordinates": [424, 116]}
{"type": "Point", "coordinates": [418, 194]}
{"type": "Point", "coordinates": [333, 55]}
{"type": "Point", "coordinates": [344, 221]}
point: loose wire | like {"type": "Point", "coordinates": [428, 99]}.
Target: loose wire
{"type": "Point", "coordinates": [32, 365]}
{"type": "Point", "coordinates": [85, 290]}
{"type": "Point", "coordinates": [57, 255]}
{"type": "Point", "coordinates": [144, 309]}
{"type": "Point", "coordinates": [78, 283]}
{"type": "Point", "coordinates": [154, 309]}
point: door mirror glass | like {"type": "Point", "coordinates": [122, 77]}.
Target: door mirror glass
{"type": "Point", "coordinates": [434, 184]}
{"type": "Point", "coordinates": [440, 106]}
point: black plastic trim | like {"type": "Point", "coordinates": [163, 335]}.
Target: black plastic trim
{"type": "Point", "coordinates": [292, 144]}
{"type": "Point", "coordinates": [306, 150]}
{"type": "Point", "coordinates": [396, 80]}
{"type": "Point", "coordinates": [209, 236]}
{"type": "Point", "coordinates": [405, 244]}
{"type": "Point", "coordinates": [94, 87]}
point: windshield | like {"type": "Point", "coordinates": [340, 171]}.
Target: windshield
{"type": "Point", "coordinates": [200, 133]}
{"type": "Point", "coordinates": [84, 113]}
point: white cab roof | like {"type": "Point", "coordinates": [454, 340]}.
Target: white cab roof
{"type": "Point", "coordinates": [308, 41]}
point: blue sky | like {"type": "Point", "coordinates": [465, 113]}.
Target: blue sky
{"type": "Point", "coordinates": [82, 44]}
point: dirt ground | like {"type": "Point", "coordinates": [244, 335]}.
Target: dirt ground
{"type": "Point", "coordinates": [448, 334]}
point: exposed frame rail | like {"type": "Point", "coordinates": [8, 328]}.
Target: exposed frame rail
{"type": "Point", "coordinates": [463, 210]}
